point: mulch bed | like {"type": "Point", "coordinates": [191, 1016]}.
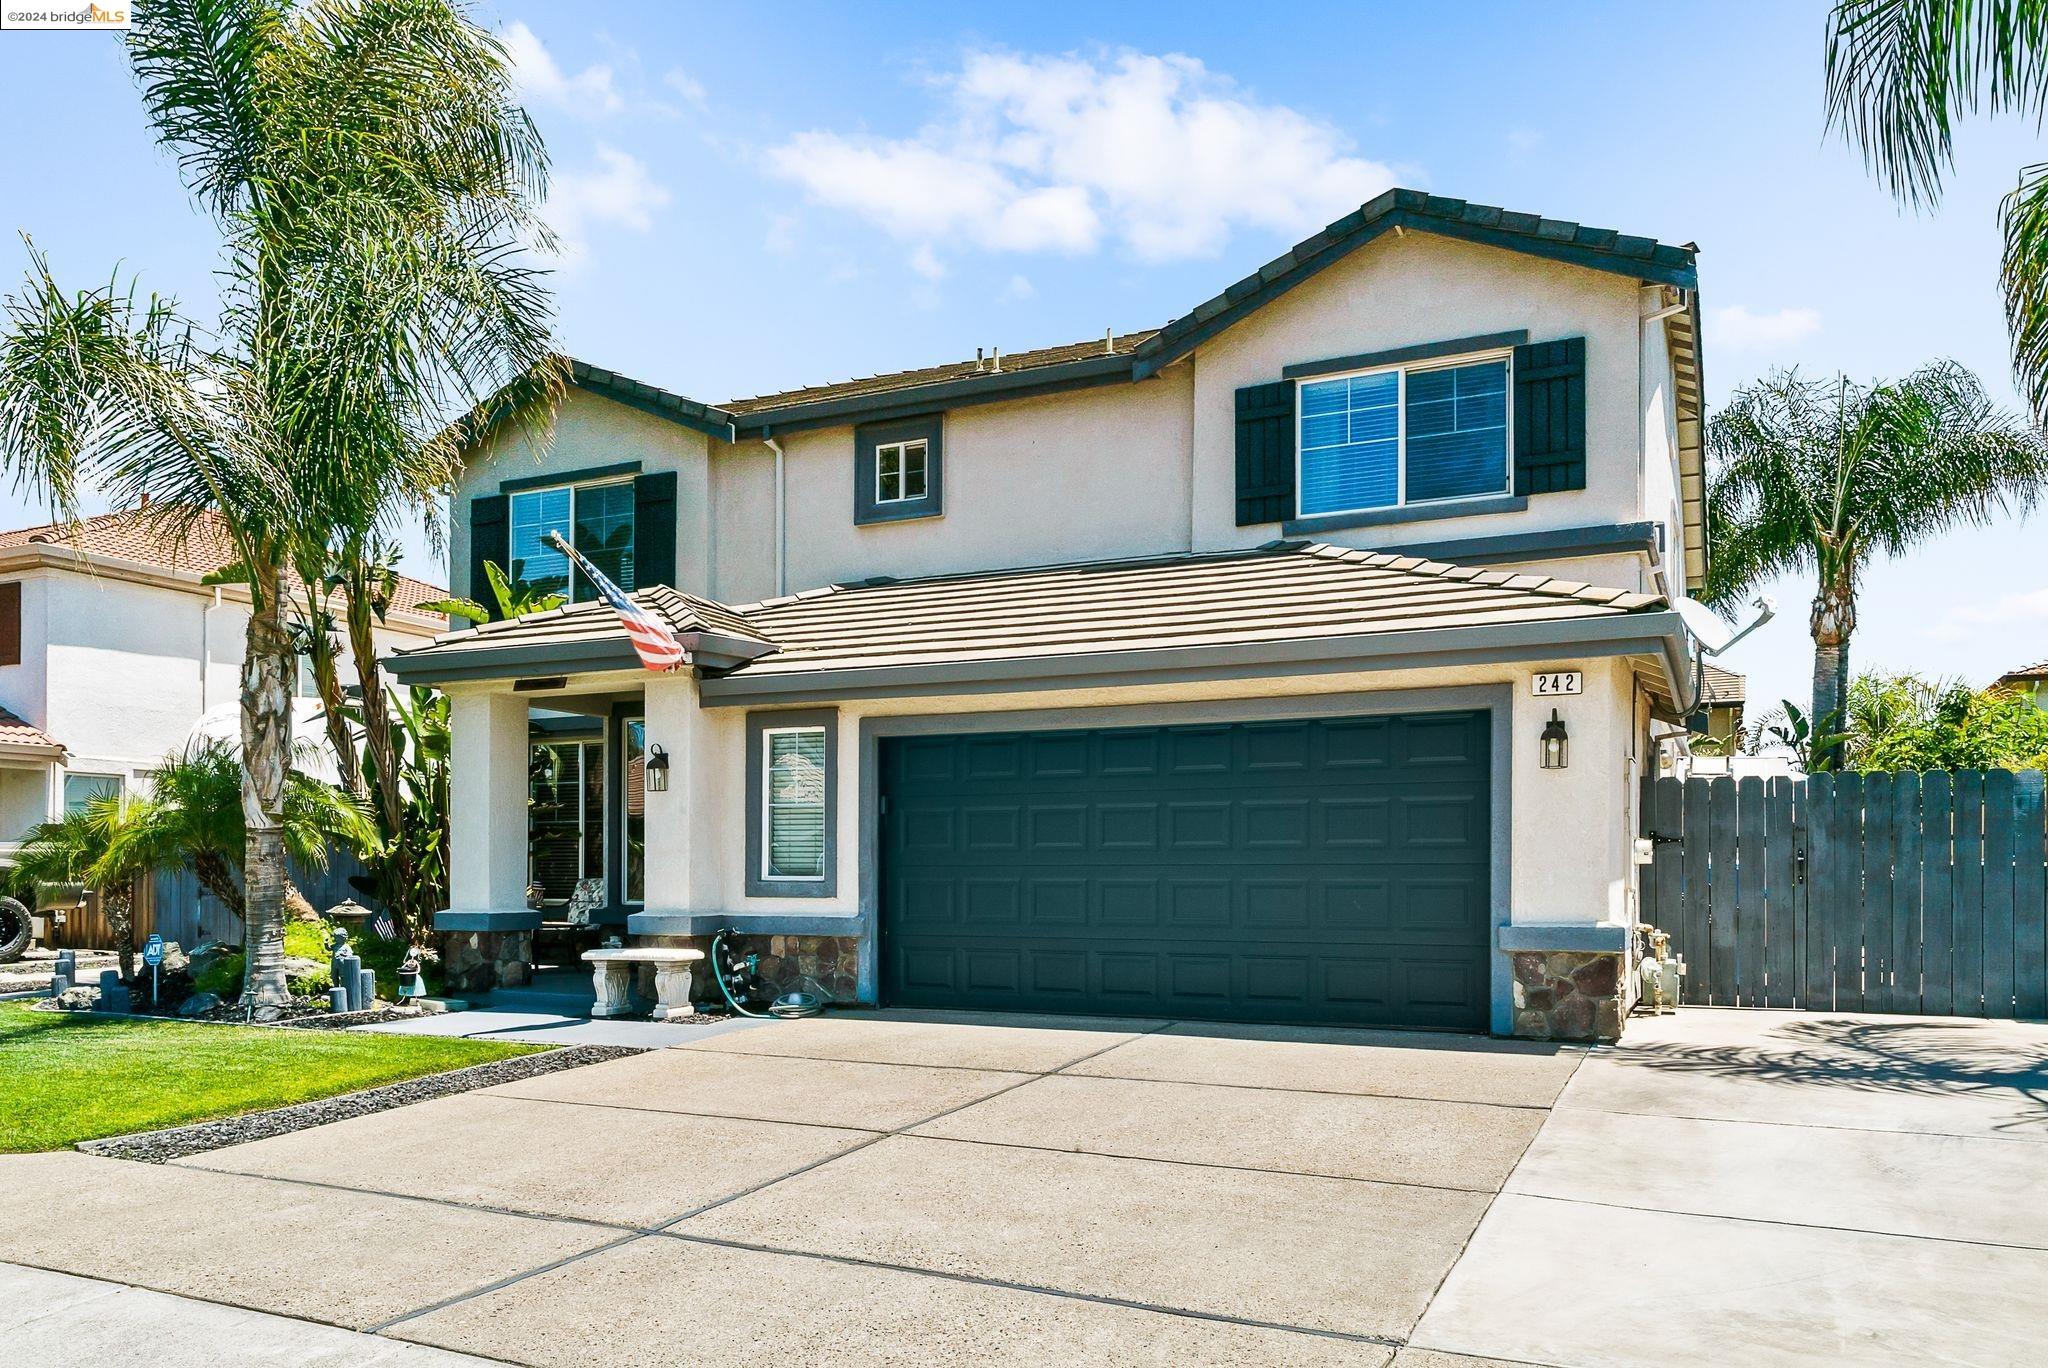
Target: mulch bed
{"type": "Point", "coordinates": [162, 1146]}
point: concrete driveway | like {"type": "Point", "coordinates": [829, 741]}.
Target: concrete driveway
{"type": "Point", "coordinates": [916, 1187]}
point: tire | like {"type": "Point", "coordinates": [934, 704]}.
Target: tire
{"type": "Point", "coordinates": [15, 927]}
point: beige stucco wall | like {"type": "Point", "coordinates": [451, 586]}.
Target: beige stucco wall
{"type": "Point", "coordinates": [1146, 467]}
{"type": "Point", "coordinates": [591, 431]}
{"type": "Point", "coordinates": [1413, 289]}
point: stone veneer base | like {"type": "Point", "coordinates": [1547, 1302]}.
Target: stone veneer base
{"type": "Point", "coordinates": [1569, 995]}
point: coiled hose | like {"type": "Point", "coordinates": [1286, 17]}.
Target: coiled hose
{"type": "Point", "coordinates": [779, 1011]}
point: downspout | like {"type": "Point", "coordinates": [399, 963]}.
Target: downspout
{"type": "Point", "coordinates": [781, 514]}
{"type": "Point", "coordinates": [1643, 324]}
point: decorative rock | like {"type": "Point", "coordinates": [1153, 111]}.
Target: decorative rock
{"type": "Point", "coordinates": [80, 999]}
{"type": "Point", "coordinates": [176, 961]}
{"type": "Point", "coordinates": [199, 1004]}
{"type": "Point", "coordinates": [1569, 995]}
{"type": "Point", "coordinates": [268, 1013]}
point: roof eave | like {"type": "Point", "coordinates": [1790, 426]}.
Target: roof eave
{"type": "Point", "coordinates": [1396, 209]}
{"type": "Point", "coordinates": [711, 651]}
{"type": "Point", "coordinates": [959, 392]}
{"type": "Point", "coordinates": [1659, 633]}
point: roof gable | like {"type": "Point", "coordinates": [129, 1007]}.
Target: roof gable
{"type": "Point", "coordinates": [1137, 355]}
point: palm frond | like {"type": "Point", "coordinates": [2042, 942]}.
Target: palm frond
{"type": "Point", "coordinates": [1901, 72]}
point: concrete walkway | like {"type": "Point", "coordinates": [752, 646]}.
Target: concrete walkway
{"type": "Point", "coordinates": [55, 1318]}
{"type": "Point", "coordinates": [1770, 1187]}
{"type": "Point", "coordinates": [914, 1187]}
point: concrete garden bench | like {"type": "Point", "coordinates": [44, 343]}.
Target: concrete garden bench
{"type": "Point", "coordinates": [612, 972]}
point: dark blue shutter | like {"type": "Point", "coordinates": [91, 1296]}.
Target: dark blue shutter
{"type": "Point", "coordinates": [1265, 453]}
{"type": "Point", "coordinates": [490, 538]}
{"type": "Point", "coordinates": [654, 530]}
{"type": "Point", "coordinates": [1550, 416]}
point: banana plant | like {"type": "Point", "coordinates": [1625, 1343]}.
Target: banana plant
{"type": "Point", "coordinates": [516, 597]}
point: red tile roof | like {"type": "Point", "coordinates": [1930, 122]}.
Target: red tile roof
{"type": "Point", "coordinates": [15, 732]}
{"type": "Point", "coordinates": [206, 547]}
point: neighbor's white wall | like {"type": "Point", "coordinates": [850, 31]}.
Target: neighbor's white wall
{"type": "Point", "coordinates": [1414, 289]}
{"type": "Point", "coordinates": [24, 799]}
{"type": "Point", "coordinates": [593, 431]}
{"type": "Point", "coordinates": [24, 688]}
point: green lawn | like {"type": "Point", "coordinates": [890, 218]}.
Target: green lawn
{"type": "Point", "coordinates": [71, 1078]}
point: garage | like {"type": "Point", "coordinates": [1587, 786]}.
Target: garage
{"type": "Point", "coordinates": [1324, 870]}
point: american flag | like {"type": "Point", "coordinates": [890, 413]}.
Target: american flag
{"type": "Point", "coordinates": [656, 646]}
{"type": "Point", "coordinates": [383, 928]}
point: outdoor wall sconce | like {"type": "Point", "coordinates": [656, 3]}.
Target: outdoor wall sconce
{"type": "Point", "coordinates": [1557, 746]}
{"type": "Point", "coordinates": [656, 770]}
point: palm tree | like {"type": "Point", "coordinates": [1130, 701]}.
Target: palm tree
{"type": "Point", "coordinates": [193, 815]}
{"type": "Point", "coordinates": [373, 180]}
{"type": "Point", "coordinates": [1900, 73]}
{"type": "Point", "coordinates": [1820, 474]}
{"type": "Point", "coordinates": [513, 596]}
{"type": "Point", "coordinates": [92, 846]}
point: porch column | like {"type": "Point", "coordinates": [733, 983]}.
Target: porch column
{"type": "Point", "coordinates": [489, 940]}
{"type": "Point", "coordinates": [487, 803]}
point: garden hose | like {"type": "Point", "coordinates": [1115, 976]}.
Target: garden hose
{"type": "Point", "coordinates": [784, 1008]}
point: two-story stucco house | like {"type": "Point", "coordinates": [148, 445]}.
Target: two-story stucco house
{"type": "Point", "coordinates": [1294, 661]}
{"type": "Point", "coordinates": [114, 652]}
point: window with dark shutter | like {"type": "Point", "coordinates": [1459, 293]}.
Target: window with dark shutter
{"type": "Point", "coordinates": [654, 529]}
{"type": "Point", "coordinates": [490, 539]}
{"type": "Point", "coordinates": [1550, 416]}
{"type": "Point", "coordinates": [10, 623]}
{"type": "Point", "coordinates": [1265, 453]}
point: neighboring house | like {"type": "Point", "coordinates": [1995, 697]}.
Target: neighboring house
{"type": "Point", "coordinates": [1294, 661]}
{"type": "Point", "coordinates": [113, 654]}
{"type": "Point", "coordinates": [1723, 694]}
{"type": "Point", "coordinates": [2031, 681]}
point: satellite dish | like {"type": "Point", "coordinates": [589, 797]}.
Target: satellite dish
{"type": "Point", "coordinates": [1705, 624]}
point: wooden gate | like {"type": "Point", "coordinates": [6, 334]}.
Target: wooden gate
{"type": "Point", "coordinates": [1916, 893]}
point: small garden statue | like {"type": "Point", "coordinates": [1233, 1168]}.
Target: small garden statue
{"type": "Point", "coordinates": [584, 902]}
{"type": "Point", "coordinates": [411, 983]}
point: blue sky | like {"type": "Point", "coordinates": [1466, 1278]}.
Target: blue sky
{"type": "Point", "coordinates": [758, 196]}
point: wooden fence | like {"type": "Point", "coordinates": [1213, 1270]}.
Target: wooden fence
{"type": "Point", "coordinates": [172, 904]}
{"type": "Point", "coordinates": [1915, 893]}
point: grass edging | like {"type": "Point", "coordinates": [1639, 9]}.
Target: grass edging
{"type": "Point", "coordinates": [177, 1142]}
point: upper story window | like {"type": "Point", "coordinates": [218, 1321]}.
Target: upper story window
{"type": "Point", "coordinates": [902, 471]}
{"type": "Point", "coordinates": [899, 470]}
{"type": "Point", "coordinates": [1404, 435]}
{"type": "Point", "coordinates": [597, 519]}
{"type": "Point", "coordinates": [82, 790]}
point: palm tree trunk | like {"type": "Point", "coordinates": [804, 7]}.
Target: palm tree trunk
{"type": "Point", "coordinates": [266, 753]}
{"type": "Point", "coordinates": [328, 680]}
{"type": "Point", "coordinates": [1832, 623]}
{"type": "Point", "coordinates": [383, 753]}
{"type": "Point", "coordinates": [118, 903]}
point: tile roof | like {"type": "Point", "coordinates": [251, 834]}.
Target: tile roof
{"type": "Point", "coordinates": [15, 732]}
{"type": "Point", "coordinates": [1281, 592]}
{"type": "Point", "coordinates": [2038, 670]}
{"type": "Point", "coordinates": [576, 624]}
{"type": "Point", "coordinates": [1721, 687]}
{"type": "Point", "coordinates": [1147, 349]}
{"type": "Point", "coordinates": [1008, 363]}
{"type": "Point", "coordinates": [1285, 591]}
{"type": "Point", "coordinates": [206, 547]}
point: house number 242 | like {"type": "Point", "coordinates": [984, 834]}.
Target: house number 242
{"type": "Point", "coordinates": [1553, 682]}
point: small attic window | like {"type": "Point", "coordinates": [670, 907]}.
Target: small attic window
{"type": "Point", "coordinates": [898, 470]}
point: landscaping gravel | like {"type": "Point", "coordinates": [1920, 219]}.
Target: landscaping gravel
{"type": "Point", "coordinates": [162, 1146]}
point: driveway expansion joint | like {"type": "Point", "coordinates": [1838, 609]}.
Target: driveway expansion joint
{"type": "Point", "coordinates": [668, 1226]}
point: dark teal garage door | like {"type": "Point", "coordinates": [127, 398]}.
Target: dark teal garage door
{"type": "Point", "coordinates": [1333, 870]}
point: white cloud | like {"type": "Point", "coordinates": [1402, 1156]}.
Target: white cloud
{"type": "Point", "coordinates": [1967, 620]}
{"type": "Point", "coordinates": [589, 92]}
{"type": "Point", "coordinates": [685, 85]}
{"type": "Point", "coordinates": [926, 263]}
{"type": "Point", "coordinates": [1738, 328]}
{"type": "Point", "coordinates": [618, 191]}
{"type": "Point", "coordinates": [1037, 153]}
{"type": "Point", "coordinates": [1019, 288]}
